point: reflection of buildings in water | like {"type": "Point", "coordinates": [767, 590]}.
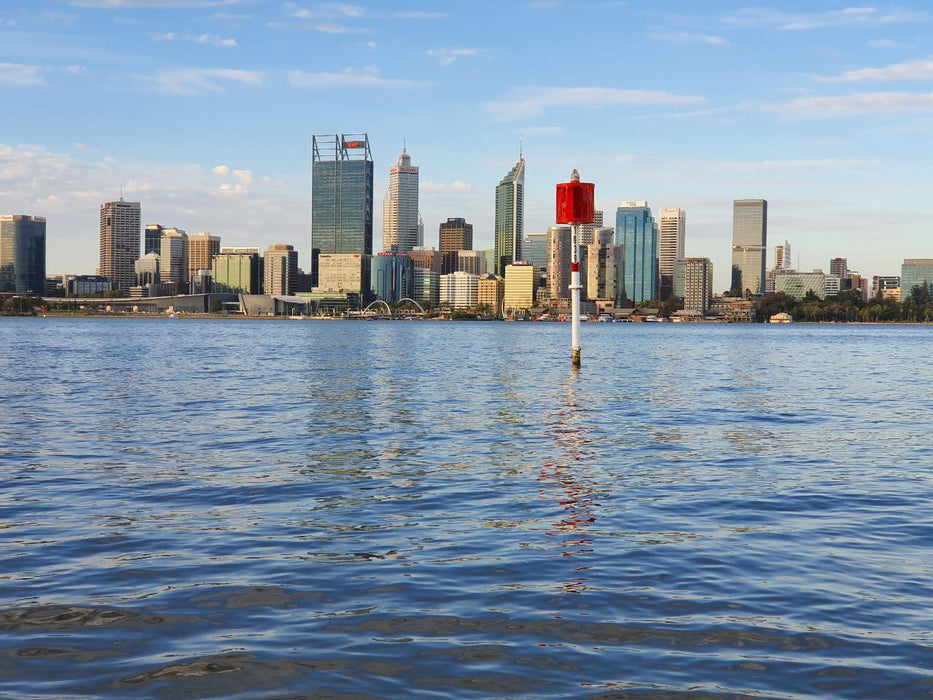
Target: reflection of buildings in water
{"type": "Point", "coordinates": [578, 496]}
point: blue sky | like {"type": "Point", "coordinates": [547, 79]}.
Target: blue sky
{"type": "Point", "coordinates": [203, 110]}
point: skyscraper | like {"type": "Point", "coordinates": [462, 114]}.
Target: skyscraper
{"type": "Point", "coordinates": [280, 269]}
{"type": "Point", "coordinates": [202, 248]}
{"type": "Point", "coordinates": [238, 270]}
{"type": "Point", "coordinates": [637, 232]}
{"type": "Point", "coordinates": [342, 194]}
{"type": "Point", "coordinates": [391, 276]}
{"type": "Point", "coordinates": [455, 234]}
{"type": "Point", "coordinates": [588, 231]}
{"type": "Point", "coordinates": [152, 239]}
{"type": "Point", "coordinates": [510, 217]}
{"type": "Point", "coordinates": [558, 262]}
{"type": "Point", "coordinates": [119, 242]}
{"type": "Point", "coordinates": [174, 261]}
{"type": "Point", "coordinates": [839, 267]}
{"type": "Point", "coordinates": [401, 225]}
{"type": "Point", "coordinates": [672, 225]}
{"type": "Point", "coordinates": [749, 246]}
{"type": "Point", "coordinates": [782, 259]}
{"type": "Point", "coordinates": [22, 254]}
{"type": "Point", "coordinates": [698, 284]}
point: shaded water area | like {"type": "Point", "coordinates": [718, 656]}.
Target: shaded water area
{"type": "Point", "coordinates": [430, 510]}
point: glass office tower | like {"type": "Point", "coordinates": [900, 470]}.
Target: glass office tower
{"type": "Point", "coordinates": [749, 246]}
{"type": "Point", "coordinates": [342, 194]}
{"type": "Point", "coordinates": [22, 254]}
{"type": "Point", "coordinates": [510, 217]}
{"type": "Point", "coordinates": [637, 231]}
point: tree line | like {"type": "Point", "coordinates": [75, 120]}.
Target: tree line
{"type": "Point", "coordinates": [848, 306]}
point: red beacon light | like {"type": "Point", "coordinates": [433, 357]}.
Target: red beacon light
{"type": "Point", "coordinates": [575, 201]}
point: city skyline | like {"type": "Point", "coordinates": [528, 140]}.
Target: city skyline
{"type": "Point", "coordinates": [211, 108]}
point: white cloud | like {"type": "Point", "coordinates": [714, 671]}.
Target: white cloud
{"type": "Point", "coordinates": [909, 70]}
{"type": "Point", "coordinates": [244, 176]}
{"type": "Point", "coordinates": [188, 81]}
{"type": "Point", "coordinates": [887, 44]}
{"type": "Point", "coordinates": [849, 16]}
{"type": "Point", "coordinates": [543, 130]}
{"type": "Point", "coordinates": [689, 38]}
{"type": "Point", "coordinates": [348, 77]}
{"type": "Point", "coordinates": [455, 186]}
{"type": "Point", "coordinates": [326, 10]}
{"type": "Point", "coordinates": [20, 75]}
{"type": "Point", "coordinates": [221, 170]}
{"type": "Point", "coordinates": [215, 40]}
{"type": "Point", "coordinates": [189, 4]}
{"type": "Point", "coordinates": [447, 56]}
{"type": "Point", "coordinates": [323, 27]}
{"type": "Point", "coordinates": [528, 102]}
{"type": "Point", "coordinates": [418, 14]}
{"type": "Point", "coordinates": [856, 104]}
{"type": "Point", "coordinates": [162, 36]}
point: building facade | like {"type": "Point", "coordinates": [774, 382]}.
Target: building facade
{"type": "Point", "coordinates": [391, 277]}
{"type": "Point", "coordinates": [401, 224]}
{"type": "Point", "coordinates": [839, 267]}
{"type": "Point", "coordinates": [604, 264]}
{"type": "Point", "coordinates": [798, 284]}
{"type": "Point", "coordinates": [520, 290]}
{"type": "Point", "coordinates": [425, 286]}
{"type": "Point", "coordinates": [345, 272]}
{"type": "Point", "coordinates": [588, 231]}
{"type": "Point", "coordinates": [510, 217]}
{"type": "Point", "coordinates": [698, 284]}
{"type": "Point", "coordinates": [148, 277]}
{"type": "Point", "coordinates": [454, 234]}
{"type": "Point", "coordinates": [637, 231]}
{"type": "Point", "coordinates": [490, 291]}
{"type": "Point", "coordinates": [886, 287]}
{"type": "Point", "coordinates": [22, 254]}
{"type": "Point", "coordinates": [749, 246]}
{"type": "Point", "coordinates": [202, 248]}
{"type": "Point", "coordinates": [280, 270]}
{"type": "Point", "coordinates": [426, 258]}
{"type": "Point", "coordinates": [119, 242]}
{"type": "Point", "coordinates": [916, 272]}
{"type": "Point", "coordinates": [458, 290]}
{"type": "Point", "coordinates": [174, 261]}
{"type": "Point", "coordinates": [672, 227]}
{"type": "Point", "coordinates": [237, 270]}
{"type": "Point", "coordinates": [342, 194]}
{"type": "Point", "coordinates": [782, 259]}
{"type": "Point", "coordinates": [472, 261]}
{"type": "Point", "coordinates": [152, 239]}
{"type": "Point", "coordinates": [558, 263]}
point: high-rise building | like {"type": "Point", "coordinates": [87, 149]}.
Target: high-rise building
{"type": "Point", "coordinates": [458, 290]}
{"type": "Point", "coordinates": [558, 263]}
{"type": "Point", "coordinates": [391, 276]}
{"type": "Point", "coordinates": [280, 270]}
{"type": "Point", "coordinates": [119, 242]}
{"type": "Point", "coordinates": [916, 272]}
{"type": "Point", "coordinates": [749, 246]}
{"type": "Point", "coordinates": [455, 234]}
{"type": "Point", "coordinates": [237, 270]}
{"type": "Point", "coordinates": [346, 273]}
{"type": "Point", "coordinates": [174, 261]}
{"type": "Point", "coordinates": [426, 258]}
{"type": "Point", "coordinates": [22, 254]}
{"type": "Point", "coordinates": [202, 247]}
{"type": "Point", "coordinates": [510, 217]}
{"type": "Point", "coordinates": [698, 284]}
{"type": "Point", "coordinates": [672, 225]}
{"type": "Point", "coordinates": [588, 231]}
{"type": "Point", "coordinates": [534, 250]}
{"type": "Point", "coordinates": [148, 279]}
{"type": "Point", "coordinates": [472, 261]}
{"type": "Point", "coordinates": [152, 239]}
{"type": "Point", "coordinates": [637, 232]}
{"type": "Point", "coordinates": [839, 267]}
{"type": "Point", "coordinates": [342, 194]}
{"type": "Point", "coordinates": [521, 286]}
{"type": "Point", "coordinates": [782, 259]}
{"type": "Point", "coordinates": [489, 292]}
{"type": "Point", "coordinates": [604, 266]}
{"type": "Point", "coordinates": [401, 225]}
{"type": "Point", "coordinates": [425, 285]}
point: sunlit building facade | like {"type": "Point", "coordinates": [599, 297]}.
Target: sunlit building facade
{"type": "Point", "coordinates": [22, 254]}
{"type": "Point", "coordinates": [119, 242]}
{"type": "Point", "coordinates": [749, 246]}
{"type": "Point", "coordinates": [401, 224]}
{"type": "Point", "coordinates": [510, 217]}
{"type": "Point", "coordinates": [637, 232]}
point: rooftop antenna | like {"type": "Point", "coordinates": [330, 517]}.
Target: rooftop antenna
{"type": "Point", "coordinates": [121, 191]}
{"type": "Point", "coordinates": [521, 138]}
{"type": "Point", "coordinates": [403, 146]}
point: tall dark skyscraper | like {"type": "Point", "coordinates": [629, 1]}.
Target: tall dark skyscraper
{"type": "Point", "coordinates": [453, 235]}
{"type": "Point", "coordinates": [749, 245]}
{"type": "Point", "coordinates": [341, 194]}
{"type": "Point", "coordinates": [510, 217]}
{"type": "Point", "coordinates": [22, 254]}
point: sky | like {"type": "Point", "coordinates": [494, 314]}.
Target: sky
{"type": "Point", "coordinates": [203, 111]}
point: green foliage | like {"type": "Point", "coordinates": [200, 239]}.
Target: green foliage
{"type": "Point", "coordinates": [216, 307]}
{"type": "Point", "coordinates": [847, 306]}
{"type": "Point", "coordinates": [18, 306]}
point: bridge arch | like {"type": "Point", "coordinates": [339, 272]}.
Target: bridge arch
{"type": "Point", "coordinates": [417, 305]}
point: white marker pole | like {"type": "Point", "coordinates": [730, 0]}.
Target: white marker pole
{"type": "Point", "coordinates": [575, 292]}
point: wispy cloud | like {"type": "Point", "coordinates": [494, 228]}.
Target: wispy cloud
{"type": "Point", "coordinates": [153, 3]}
{"type": "Point", "coordinates": [888, 44]}
{"type": "Point", "coordinates": [543, 4]}
{"type": "Point", "coordinates": [323, 27]}
{"type": "Point", "coordinates": [909, 70]}
{"type": "Point", "coordinates": [849, 16]}
{"type": "Point", "coordinates": [543, 130]}
{"type": "Point", "coordinates": [689, 38]}
{"type": "Point", "coordinates": [326, 10]}
{"type": "Point", "coordinates": [348, 77]}
{"type": "Point", "coordinates": [20, 75]}
{"type": "Point", "coordinates": [447, 56]}
{"type": "Point", "coordinates": [418, 14]}
{"type": "Point", "coordinates": [865, 103]}
{"type": "Point", "coordinates": [528, 102]}
{"type": "Point", "coordinates": [455, 186]}
{"type": "Point", "coordinates": [209, 39]}
{"type": "Point", "coordinates": [189, 81]}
